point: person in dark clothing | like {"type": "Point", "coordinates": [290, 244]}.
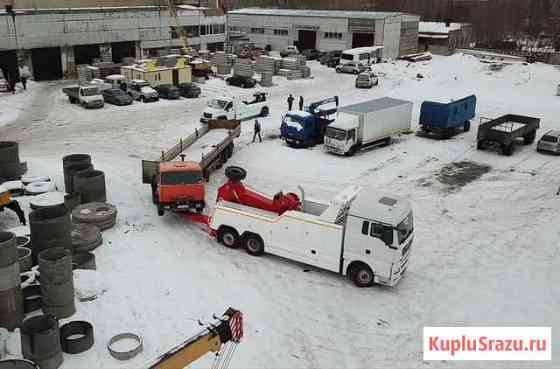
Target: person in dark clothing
{"type": "Point", "coordinates": [11, 78]}
{"type": "Point", "coordinates": [257, 131]}
{"type": "Point", "coordinates": [290, 102]}
{"type": "Point", "coordinates": [301, 103]}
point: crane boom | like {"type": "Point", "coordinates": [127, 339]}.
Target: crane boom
{"type": "Point", "coordinates": [228, 328]}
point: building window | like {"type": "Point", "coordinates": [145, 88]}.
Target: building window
{"type": "Point", "coordinates": [191, 31]}
{"type": "Point", "coordinates": [257, 30]}
{"type": "Point", "coordinates": [333, 35]}
{"type": "Point", "coordinates": [174, 33]}
{"type": "Point", "coordinates": [280, 32]}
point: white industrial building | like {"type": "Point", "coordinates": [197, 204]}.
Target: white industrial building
{"type": "Point", "coordinates": [327, 29]}
{"type": "Point", "coordinates": [53, 41]}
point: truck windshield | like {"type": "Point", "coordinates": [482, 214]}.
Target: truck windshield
{"type": "Point", "coordinates": [294, 121]}
{"type": "Point", "coordinates": [218, 104]}
{"type": "Point", "coordinates": [337, 134]}
{"type": "Point", "coordinates": [180, 178]}
{"type": "Point", "coordinates": [89, 92]}
{"type": "Point", "coordinates": [347, 57]}
{"type": "Point", "coordinates": [548, 138]}
{"type": "Point", "coordinates": [405, 228]}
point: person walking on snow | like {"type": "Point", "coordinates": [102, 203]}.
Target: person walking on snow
{"type": "Point", "coordinates": [257, 131]}
{"type": "Point", "coordinates": [290, 102]}
{"type": "Point", "coordinates": [301, 103]}
{"type": "Point", "coordinates": [24, 74]}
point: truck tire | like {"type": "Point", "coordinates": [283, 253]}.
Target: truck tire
{"type": "Point", "coordinates": [228, 237]}
{"type": "Point", "coordinates": [160, 210]}
{"type": "Point", "coordinates": [253, 244]}
{"type": "Point", "coordinates": [230, 150]}
{"type": "Point", "coordinates": [236, 173]}
{"type": "Point", "coordinates": [353, 150]}
{"type": "Point", "coordinates": [467, 126]}
{"type": "Point", "coordinates": [529, 138]}
{"type": "Point", "coordinates": [507, 149]}
{"type": "Point", "coordinates": [361, 275]}
{"type": "Point", "coordinates": [264, 112]}
{"type": "Point", "coordinates": [479, 145]}
{"type": "Point", "coordinates": [143, 99]}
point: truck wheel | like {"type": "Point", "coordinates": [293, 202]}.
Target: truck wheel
{"type": "Point", "coordinates": [352, 151]}
{"type": "Point", "coordinates": [479, 145]}
{"type": "Point", "coordinates": [467, 126]}
{"type": "Point", "coordinates": [143, 99]}
{"type": "Point", "coordinates": [361, 275]}
{"type": "Point", "coordinates": [228, 237]}
{"type": "Point", "coordinates": [160, 210]}
{"type": "Point", "coordinates": [230, 150]}
{"type": "Point", "coordinates": [529, 138]}
{"type": "Point", "coordinates": [264, 112]}
{"type": "Point", "coordinates": [387, 141]}
{"type": "Point", "coordinates": [236, 173]}
{"type": "Point", "coordinates": [507, 149]}
{"type": "Point", "coordinates": [253, 244]}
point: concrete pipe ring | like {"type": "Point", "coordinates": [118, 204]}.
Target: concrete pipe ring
{"type": "Point", "coordinates": [79, 344]}
{"type": "Point", "coordinates": [129, 354]}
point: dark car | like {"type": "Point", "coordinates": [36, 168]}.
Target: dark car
{"type": "Point", "coordinates": [333, 62]}
{"type": "Point", "coordinates": [116, 96]}
{"type": "Point", "coordinates": [189, 90]}
{"type": "Point", "coordinates": [240, 81]}
{"type": "Point", "coordinates": [169, 92]}
{"type": "Point", "coordinates": [311, 54]}
{"type": "Point", "coordinates": [327, 56]}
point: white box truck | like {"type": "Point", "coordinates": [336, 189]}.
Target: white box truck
{"type": "Point", "coordinates": [360, 234]}
{"type": "Point", "coordinates": [366, 124]}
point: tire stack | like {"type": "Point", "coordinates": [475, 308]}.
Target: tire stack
{"type": "Point", "coordinates": [57, 282]}
{"type": "Point", "coordinates": [50, 227]}
{"type": "Point", "coordinates": [90, 185]}
{"type": "Point", "coordinates": [100, 214]}
{"type": "Point", "coordinates": [10, 166]}
{"type": "Point", "coordinates": [11, 297]}
{"type": "Point", "coordinates": [85, 237]}
{"type": "Point", "coordinates": [40, 341]}
{"type": "Point", "coordinates": [73, 164]}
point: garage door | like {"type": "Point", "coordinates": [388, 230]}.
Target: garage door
{"type": "Point", "coordinates": [47, 64]}
{"type": "Point", "coordinates": [362, 39]}
{"type": "Point", "coordinates": [8, 62]}
{"type": "Point", "coordinates": [307, 40]}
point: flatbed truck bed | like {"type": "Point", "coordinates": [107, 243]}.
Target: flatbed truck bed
{"type": "Point", "coordinates": [505, 130]}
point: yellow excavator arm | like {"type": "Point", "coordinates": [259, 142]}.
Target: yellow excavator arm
{"type": "Point", "coordinates": [228, 328]}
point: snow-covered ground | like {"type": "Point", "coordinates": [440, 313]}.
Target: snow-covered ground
{"type": "Point", "coordinates": [486, 254]}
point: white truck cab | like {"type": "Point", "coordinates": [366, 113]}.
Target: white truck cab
{"type": "Point", "coordinates": [341, 135]}
{"type": "Point", "coordinates": [233, 108]}
{"type": "Point", "coordinates": [360, 234]}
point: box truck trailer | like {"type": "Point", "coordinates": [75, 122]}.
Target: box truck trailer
{"type": "Point", "coordinates": [366, 124]}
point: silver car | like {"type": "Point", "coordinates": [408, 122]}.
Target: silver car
{"type": "Point", "coordinates": [351, 67]}
{"type": "Point", "coordinates": [550, 142]}
{"type": "Point", "coordinates": [366, 80]}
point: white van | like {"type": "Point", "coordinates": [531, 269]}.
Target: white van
{"type": "Point", "coordinates": [365, 55]}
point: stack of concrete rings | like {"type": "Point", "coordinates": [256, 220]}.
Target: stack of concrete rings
{"type": "Point", "coordinates": [10, 166]}
{"type": "Point", "coordinates": [103, 215]}
{"type": "Point", "coordinates": [85, 237]}
{"type": "Point", "coordinates": [73, 164]}
{"type": "Point", "coordinates": [57, 282]}
{"type": "Point", "coordinates": [40, 341]}
{"type": "Point", "coordinates": [90, 185]}
{"type": "Point", "coordinates": [11, 297]}
{"type": "Point", "coordinates": [50, 227]}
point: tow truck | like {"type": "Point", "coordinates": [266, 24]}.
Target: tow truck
{"type": "Point", "coordinates": [178, 184]}
{"type": "Point", "coordinates": [361, 233]}
{"type": "Point", "coordinates": [307, 128]}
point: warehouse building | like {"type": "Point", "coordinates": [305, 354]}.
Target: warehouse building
{"type": "Point", "coordinates": [444, 38]}
{"type": "Point", "coordinates": [53, 41]}
{"type": "Point", "coordinates": [327, 29]}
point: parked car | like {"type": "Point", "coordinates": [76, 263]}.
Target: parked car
{"type": "Point", "coordinates": [240, 81]}
{"type": "Point", "coordinates": [367, 80]}
{"type": "Point", "coordinates": [550, 142]}
{"type": "Point", "coordinates": [189, 90]}
{"type": "Point", "coordinates": [116, 96]}
{"type": "Point", "coordinates": [333, 62]}
{"type": "Point", "coordinates": [352, 67]}
{"type": "Point", "coordinates": [329, 55]}
{"type": "Point", "coordinates": [289, 50]}
{"type": "Point", "coordinates": [141, 90]}
{"type": "Point", "coordinates": [169, 92]}
{"type": "Point", "coordinates": [311, 54]}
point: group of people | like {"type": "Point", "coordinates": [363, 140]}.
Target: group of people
{"type": "Point", "coordinates": [291, 102]}
{"type": "Point", "coordinates": [257, 125]}
{"type": "Point", "coordinates": [12, 78]}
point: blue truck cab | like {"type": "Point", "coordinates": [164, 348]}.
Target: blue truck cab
{"type": "Point", "coordinates": [307, 128]}
{"type": "Point", "coordinates": [445, 118]}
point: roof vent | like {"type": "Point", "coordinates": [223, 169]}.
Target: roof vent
{"type": "Point", "coordinates": [387, 201]}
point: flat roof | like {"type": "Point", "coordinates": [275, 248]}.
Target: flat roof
{"type": "Point", "coordinates": [315, 13]}
{"type": "Point", "coordinates": [373, 105]}
{"type": "Point", "coordinates": [438, 27]}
